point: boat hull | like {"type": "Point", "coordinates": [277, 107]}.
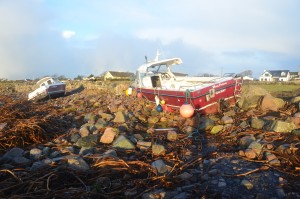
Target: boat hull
{"type": "Point", "coordinates": [205, 100]}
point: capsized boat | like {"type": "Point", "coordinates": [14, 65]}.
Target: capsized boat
{"type": "Point", "coordinates": [156, 81]}
{"type": "Point", "coordinates": [48, 87]}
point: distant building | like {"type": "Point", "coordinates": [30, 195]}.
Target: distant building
{"type": "Point", "coordinates": [248, 78]}
{"type": "Point", "coordinates": [294, 75]}
{"type": "Point", "coordinates": [113, 75]}
{"type": "Point", "coordinates": [275, 75]}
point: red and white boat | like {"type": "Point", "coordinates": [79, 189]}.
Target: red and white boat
{"type": "Point", "coordinates": [48, 87]}
{"type": "Point", "coordinates": [156, 82]}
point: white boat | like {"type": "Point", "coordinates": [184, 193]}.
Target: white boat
{"type": "Point", "coordinates": [156, 82]}
{"type": "Point", "coordinates": [48, 87]}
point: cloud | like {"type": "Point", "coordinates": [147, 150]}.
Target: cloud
{"type": "Point", "coordinates": [68, 34]}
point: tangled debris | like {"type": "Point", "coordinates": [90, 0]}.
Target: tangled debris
{"type": "Point", "coordinates": [102, 145]}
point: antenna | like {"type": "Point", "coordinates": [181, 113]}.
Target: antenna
{"type": "Point", "coordinates": [157, 55]}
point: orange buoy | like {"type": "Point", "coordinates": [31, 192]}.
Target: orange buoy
{"type": "Point", "coordinates": [139, 95]}
{"type": "Point", "coordinates": [186, 110]}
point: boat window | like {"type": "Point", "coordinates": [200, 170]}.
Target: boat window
{"type": "Point", "coordinates": [49, 82]}
{"type": "Point", "coordinates": [158, 69]}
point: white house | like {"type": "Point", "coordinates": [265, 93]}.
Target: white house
{"type": "Point", "coordinates": [275, 75]}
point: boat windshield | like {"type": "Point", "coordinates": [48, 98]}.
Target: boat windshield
{"type": "Point", "coordinates": [158, 69]}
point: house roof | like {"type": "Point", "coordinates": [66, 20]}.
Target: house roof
{"type": "Point", "coordinates": [278, 73]}
{"type": "Point", "coordinates": [294, 73]}
{"type": "Point", "coordinates": [121, 74]}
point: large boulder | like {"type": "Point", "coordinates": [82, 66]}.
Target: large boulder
{"type": "Point", "coordinates": [251, 96]}
{"type": "Point", "coordinates": [270, 103]}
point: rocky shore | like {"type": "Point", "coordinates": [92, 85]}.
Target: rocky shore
{"type": "Point", "coordinates": [102, 143]}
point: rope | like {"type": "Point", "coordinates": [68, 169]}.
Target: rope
{"type": "Point", "coordinates": [188, 96]}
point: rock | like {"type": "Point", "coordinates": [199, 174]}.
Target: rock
{"type": "Point", "coordinates": [161, 167]}
{"type": "Point", "coordinates": [246, 140]}
{"type": "Point", "coordinates": [270, 156]}
{"type": "Point", "coordinates": [247, 184]}
{"type": "Point", "coordinates": [74, 137]}
{"type": "Point", "coordinates": [110, 152]}
{"type": "Point", "coordinates": [109, 135]}
{"type": "Point", "coordinates": [250, 97]}
{"type": "Point", "coordinates": [35, 153]}
{"type": "Point", "coordinates": [250, 153]}
{"type": "Point", "coordinates": [90, 118]}
{"type": "Point", "coordinates": [119, 117]}
{"type": "Point", "coordinates": [2, 126]}
{"type": "Point", "coordinates": [172, 136]}
{"type": "Point", "coordinates": [184, 176]}
{"type": "Point", "coordinates": [189, 129]}
{"type": "Point", "coordinates": [160, 193]}
{"type": "Point", "coordinates": [143, 144]}
{"type": "Point", "coordinates": [227, 120]}
{"type": "Point", "coordinates": [158, 149]}
{"type": "Point", "coordinates": [139, 137]}
{"type": "Point", "coordinates": [77, 163]}
{"type": "Point", "coordinates": [295, 100]}
{"type": "Point", "coordinates": [88, 141]}
{"type": "Point", "coordinates": [282, 126]}
{"type": "Point", "coordinates": [123, 143]}
{"type": "Point", "coordinates": [256, 146]}
{"type": "Point", "coordinates": [257, 123]}
{"type": "Point", "coordinates": [100, 124]}
{"type": "Point", "coordinates": [21, 161]}
{"type": "Point", "coordinates": [86, 150]}
{"type": "Point", "coordinates": [270, 103]}
{"type": "Point", "coordinates": [41, 164]}
{"type": "Point", "coordinates": [280, 193]}
{"type": "Point", "coordinates": [216, 129]}
{"type": "Point", "coordinates": [84, 131]}
{"type": "Point", "coordinates": [206, 123]}
{"type": "Point", "coordinates": [296, 119]}
{"type": "Point", "coordinates": [283, 149]}
{"type": "Point", "coordinates": [213, 172]}
{"type": "Point", "coordinates": [12, 153]}
{"type": "Point", "coordinates": [153, 120]}
{"type": "Point", "coordinates": [46, 151]}
{"type": "Point", "coordinates": [275, 162]}
{"type": "Point", "coordinates": [106, 116]}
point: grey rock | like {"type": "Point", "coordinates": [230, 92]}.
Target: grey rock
{"type": "Point", "coordinates": [246, 140]}
{"type": "Point", "coordinates": [74, 137]}
{"type": "Point", "coordinates": [247, 184]}
{"type": "Point", "coordinates": [281, 126]}
{"type": "Point", "coordinates": [35, 153]}
{"type": "Point", "coordinates": [123, 143]}
{"type": "Point", "coordinates": [21, 161]}
{"type": "Point", "coordinates": [77, 163]}
{"type": "Point", "coordinates": [161, 167]}
{"type": "Point", "coordinates": [12, 153]}
{"type": "Point", "coordinates": [88, 141]}
{"type": "Point", "coordinates": [257, 123]}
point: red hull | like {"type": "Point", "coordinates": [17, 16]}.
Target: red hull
{"type": "Point", "coordinates": [205, 100]}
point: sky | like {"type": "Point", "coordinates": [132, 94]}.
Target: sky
{"type": "Point", "coordinates": [84, 37]}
